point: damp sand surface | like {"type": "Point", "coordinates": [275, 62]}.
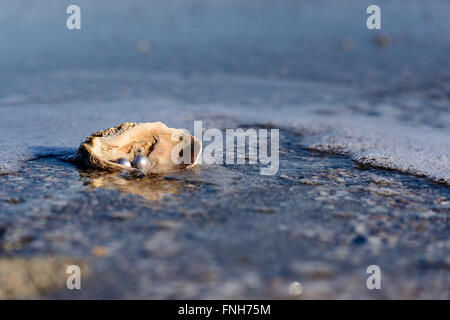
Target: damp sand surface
{"type": "Point", "coordinates": [363, 180]}
{"type": "Point", "coordinates": [225, 231]}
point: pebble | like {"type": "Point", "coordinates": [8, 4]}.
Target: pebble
{"type": "Point", "coordinates": [122, 215]}
{"type": "Point", "coordinates": [310, 182]}
{"type": "Point", "coordinates": [99, 251]}
{"type": "Point", "coordinates": [265, 210]}
{"type": "Point", "coordinates": [359, 240]}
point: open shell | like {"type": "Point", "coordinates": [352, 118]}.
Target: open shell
{"type": "Point", "coordinates": [167, 149]}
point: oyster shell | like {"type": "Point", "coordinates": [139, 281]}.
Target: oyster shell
{"type": "Point", "coordinates": [167, 149]}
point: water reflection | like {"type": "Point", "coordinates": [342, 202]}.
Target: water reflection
{"type": "Point", "coordinates": [151, 187]}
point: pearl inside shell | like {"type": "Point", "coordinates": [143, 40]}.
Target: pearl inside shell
{"type": "Point", "coordinates": [140, 162]}
{"type": "Point", "coordinates": [124, 162]}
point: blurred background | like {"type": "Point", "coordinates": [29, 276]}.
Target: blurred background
{"type": "Point", "coordinates": [326, 40]}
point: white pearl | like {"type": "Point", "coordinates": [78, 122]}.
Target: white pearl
{"type": "Point", "coordinates": [124, 162]}
{"type": "Point", "coordinates": [140, 162]}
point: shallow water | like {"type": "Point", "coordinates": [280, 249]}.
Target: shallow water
{"type": "Point", "coordinates": [228, 232]}
{"type": "Point", "coordinates": [375, 126]}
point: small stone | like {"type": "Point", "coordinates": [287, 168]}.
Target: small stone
{"type": "Point", "coordinates": [384, 191]}
{"type": "Point", "coordinates": [14, 200]}
{"type": "Point", "coordinates": [99, 251]}
{"type": "Point", "coordinates": [265, 210]}
{"type": "Point", "coordinates": [343, 215]}
{"type": "Point", "coordinates": [295, 289]}
{"type": "Point", "coordinates": [122, 215]}
{"type": "Point", "coordinates": [310, 182]}
{"type": "Point", "coordinates": [340, 180]}
{"type": "Point", "coordinates": [383, 40]}
{"type": "Point", "coordinates": [313, 269]}
{"type": "Point", "coordinates": [359, 240]}
{"type": "Point", "coordinates": [381, 181]}
{"type": "Point", "coordinates": [169, 224]}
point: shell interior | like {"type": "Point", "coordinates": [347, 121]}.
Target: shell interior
{"type": "Point", "coordinates": [167, 149]}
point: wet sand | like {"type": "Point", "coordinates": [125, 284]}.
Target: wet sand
{"type": "Point", "coordinates": [228, 232]}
